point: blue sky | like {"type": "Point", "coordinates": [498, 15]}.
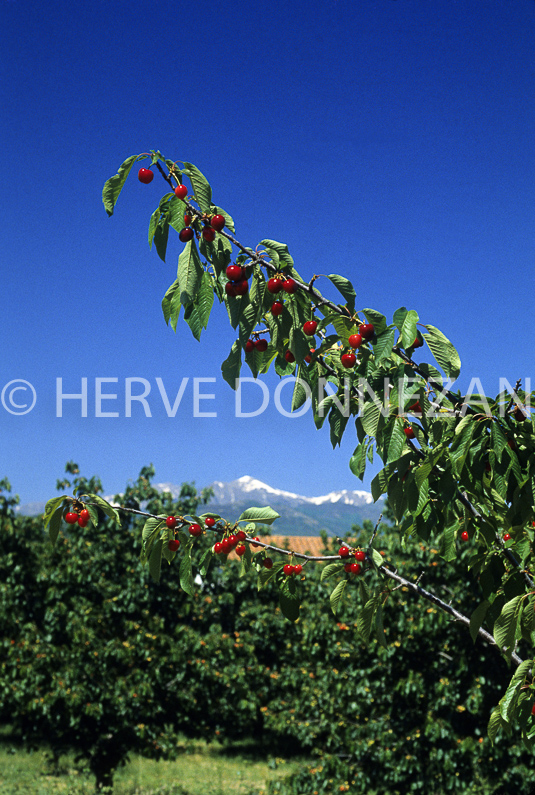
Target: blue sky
{"type": "Point", "coordinates": [391, 142]}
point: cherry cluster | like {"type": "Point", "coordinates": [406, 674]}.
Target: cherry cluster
{"type": "Point", "coordinates": [80, 517]}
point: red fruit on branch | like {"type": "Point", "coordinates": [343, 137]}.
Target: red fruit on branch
{"type": "Point", "coordinates": [255, 545]}
{"type": "Point", "coordinates": [366, 330]}
{"type": "Point", "coordinates": [82, 522]}
{"type": "Point", "coordinates": [533, 709]}
{"type": "Point", "coordinates": [232, 540]}
{"type": "Point", "coordinates": [261, 345]}
{"type": "Point", "coordinates": [418, 343]}
{"type": "Point", "coordinates": [230, 289]}
{"type": "Point", "coordinates": [186, 234]}
{"type": "Point", "coordinates": [249, 346]}
{"type": "Point", "coordinates": [234, 273]}
{"type": "Point", "coordinates": [188, 219]}
{"type": "Point", "coordinates": [171, 522]}
{"type": "Point", "coordinates": [360, 555]}
{"type": "Point", "coordinates": [241, 535]}
{"type": "Point", "coordinates": [507, 537]}
{"type": "Point", "coordinates": [356, 568]}
{"type": "Point", "coordinates": [173, 545]}
{"type": "Point", "coordinates": [267, 563]}
{"type": "Point", "coordinates": [409, 433]}
{"type": "Point", "coordinates": [415, 408]}
{"type": "Point", "coordinates": [348, 359]}
{"type": "Point", "coordinates": [226, 546]}
{"type": "Point", "coordinates": [310, 327]}
{"type": "Point", "coordinates": [240, 550]}
{"type": "Point", "coordinates": [464, 535]}
{"type": "Point", "coordinates": [208, 234]}
{"type": "Point", "coordinates": [209, 521]}
{"type": "Point", "coordinates": [277, 308]}
{"type": "Point", "coordinates": [356, 340]}
{"type": "Point", "coordinates": [145, 175]}
{"type": "Point", "coordinates": [288, 569]}
{"type": "Point", "coordinates": [218, 548]}
{"type": "Point", "coordinates": [347, 568]}
{"type": "Point", "coordinates": [290, 358]}
{"type": "Point", "coordinates": [71, 517]}
{"type": "Point", "coordinates": [85, 515]}
{"type": "Point", "coordinates": [181, 191]}
{"type": "Point", "coordinates": [218, 222]}
{"type": "Point", "coordinates": [242, 287]}
{"type": "Point", "coordinates": [195, 529]}
{"type": "Point", "coordinates": [289, 286]}
{"type": "Point", "coordinates": [344, 551]}
{"type": "Point", "coordinates": [274, 285]}
{"type": "Point", "coordinates": [298, 568]}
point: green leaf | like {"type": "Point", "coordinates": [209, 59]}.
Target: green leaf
{"type": "Point", "coordinates": [289, 604]}
{"type": "Point", "coordinates": [54, 524]}
{"type": "Point", "coordinates": [377, 558]}
{"type": "Point", "coordinates": [205, 298]}
{"type": "Point", "coordinates": [408, 328]}
{"type": "Point", "coordinates": [186, 574]}
{"type": "Point", "coordinates": [443, 351]}
{"type": "Point", "coordinates": [161, 236]}
{"type": "Point", "coordinates": [336, 596]}
{"type": "Point", "coordinates": [201, 187]}
{"type": "Point", "coordinates": [155, 560]}
{"type": "Point", "coordinates": [366, 616]}
{"type": "Point", "coordinates": [280, 249]}
{"type": "Point", "coordinates": [505, 625]}
{"type": "Point", "coordinates": [231, 367]}
{"type": "Point", "coordinates": [385, 342]}
{"type": "Point", "coordinates": [264, 515]}
{"type": "Point", "coordinates": [378, 320]}
{"type": "Point", "coordinates": [496, 722]}
{"type": "Point", "coordinates": [357, 463]}
{"type": "Point", "coordinates": [189, 273]}
{"type": "Point", "coordinates": [370, 417]}
{"type": "Point", "coordinates": [51, 507]}
{"type": "Point", "coordinates": [510, 699]}
{"type": "Point", "coordinates": [105, 506]}
{"type": "Point", "coordinates": [171, 304]}
{"type": "Point", "coordinates": [345, 288]}
{"type": "Point", "coordinates": [330, 569]}
{"type": "Point", "coordinates": [114, 185]}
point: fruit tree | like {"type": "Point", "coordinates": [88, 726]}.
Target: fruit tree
{"type": "Point", "coordinates": [458, 470]}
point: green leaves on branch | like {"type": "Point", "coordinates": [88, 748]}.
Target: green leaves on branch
{"type": "Point", "coordinates": [114, 185]}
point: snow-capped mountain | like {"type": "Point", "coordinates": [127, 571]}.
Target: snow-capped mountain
{"type": "Point", "coordinates": [334, 512]}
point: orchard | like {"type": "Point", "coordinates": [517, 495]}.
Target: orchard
{"type": "Point", "coordinates": [458, 470]}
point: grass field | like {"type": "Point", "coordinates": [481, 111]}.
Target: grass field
{"type": "Point", "coordinates": [200, 769]}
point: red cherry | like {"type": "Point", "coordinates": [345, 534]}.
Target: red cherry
{"type": "Point", "coordinates": [71, 517]}
{"type": "Point", "coordinates": [290, 358]}
{"type": "Point", "coordinates": [366, 330]}
{"type": "Point", "coordinates": [409, 433]}
{"type": "Point", "coordinates": [209, 234]}
{"type": "Point", "coordinates": [360, 555]}
{"type": "Point", "coordinates": [267, 563]}
{"type": "Point", "coordinates": [356, 568]}
{"type": "Point", "coordinates": [277, 308]}
{"type": "Point", "coordinates": [288, 569]}
{"type": "Point", "coordinates": [85, 515]}
{"type": "Point", "coordinates": [209, 521]}
{"type": "Point", "coordinates": [235, 273]}
{"type": "Point", "coordinates": [145, 175]}
{"type": "Point", "coordinates": [261, 345]}
{"type": "Point", "coordinates": [255, 545]}
{"type": "Point", "coordinates": [356, 340]}
{"type": "Point", "coordinates": [507, 537]}
{"type": "Point", "coordinates": [274, 285]}
{"type": "Point", "coordinates": [171, 522]}
{"type": "Point", "coordinates": [240, 550]}
{"type": "Point", "coordinates": [310, 327]}
{"type": "Point", "coordinates": [226, 545]}
{"type": "Point", "coordinates": [218, 548]}
{"type": "Point", "coordinates": [82, 522]}
{"type": "Point", "coordinates": [188, 219]}
{"type": "Point", "coordinates": [195, 529]}
{"type": "Point", "coordinates": [533, 710]}
{"type": "Point", "coordinates": [308, 359]}
{"type": "Point", "coordinates": [173, 545]}
{"type": "Point", "coordinates": [347, 567]}
{"type": "Point", "coordinates": [232, 540]}
{"type": "Point", "coordinates": [415, 408]}
{"type": "Point", "coordinates": [417, 343]}
{"type": "Point", "coordinates": [230, 289]}
{"type": "Point", "coordinates": [241, 535]}
{"type": "Point", "coordinates": [181, 191]}
{"type": "Point", "coordinates": [218, 222]}
{"type": "Point", "coordinates": [186, 234]}
{"type": "Point", "coordinates": [343, 551]}
{"type": "Point", "coordinates": [241, 287]}
{"type": "Point", "coordinates": [348, 359]}
{"type": "Point", "coordinates": [249, 346]}
{"type": "Point", "coordinates": [464, 535]}
{"type": "Point", "coordinates": [298, 568]}
{"type": "Point", "coordinates": [289, 286]}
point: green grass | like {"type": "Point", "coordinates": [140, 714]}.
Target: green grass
{"type": "Point", "coordinates": [200, 769]}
